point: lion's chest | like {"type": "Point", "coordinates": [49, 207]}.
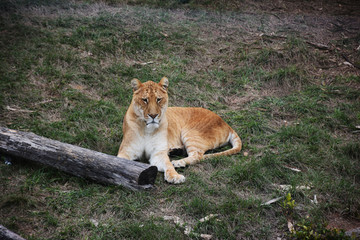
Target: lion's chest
{"type": "Point", "coordinates": [144, 146]}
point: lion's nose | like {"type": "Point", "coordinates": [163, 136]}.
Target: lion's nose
{"type": "Point", "coordinates": [153, 116]}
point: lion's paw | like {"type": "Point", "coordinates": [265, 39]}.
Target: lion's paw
{"type": "Point", "coordinates": [178, 163]}
{"type": "Point", "coordinates": [174, 177]}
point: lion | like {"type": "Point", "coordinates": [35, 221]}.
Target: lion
{"type": "Point", "coordinates": [151, 130]}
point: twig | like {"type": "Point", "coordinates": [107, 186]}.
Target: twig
{"type": "Point", "coordinates": [348, 60]}
{"type": "Point", "coordinates": [317, 45]}
{"type": "Point", "coordinates": [18, 110]}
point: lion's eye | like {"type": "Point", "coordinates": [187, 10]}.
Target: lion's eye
{"type": "Point", "coordinates": [158, 100]}
{"type": "Point", "coordinates": [145, 100]}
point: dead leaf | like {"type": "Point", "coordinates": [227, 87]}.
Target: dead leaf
{"type": "Point", "coordinates": [271, 201]}
{"type": "Point", "coordinates": [288, 187]}
{"type": "Point", "coordinates": [292, 168]}
{"type": "Point", "coordinates": [291, 226]}
{"type": "Point", "coordinates": [315, 201]}
{"type": "Point", "coordinates": [207, 218]}
{"type": "Point", "coordinates": [143, 63]}
{"type": "Point", "coordinates": [180, 222]}
{"type": "Point", "coordinates": [285, 123]}
{"type": "Point", "coordinates": [188, 230]}
{"type": "Point", "coordinates": [175, 219]}
{"type": "Point", "coordinates": [348, 64]}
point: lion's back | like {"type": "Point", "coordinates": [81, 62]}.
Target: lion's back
{"type": "Point", "coordinates": [197, 122]}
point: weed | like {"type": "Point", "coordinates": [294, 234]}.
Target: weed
{"type": "Point", "coordinates": [310, 230]}
{"type": "Point", "coordinates": [288, 204]}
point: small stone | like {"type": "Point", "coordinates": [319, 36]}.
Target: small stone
{"type": "Point", "coordinates": [206, 236]}
{"type": "Point", "coordinates": [353, 233]}
{"type": "Point", "coordinates": [93, 221]}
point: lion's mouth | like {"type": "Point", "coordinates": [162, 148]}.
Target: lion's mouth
{"type": "Point", "coordinates": [152, 122]}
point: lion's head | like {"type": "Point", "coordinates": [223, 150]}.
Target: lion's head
{"type": "Point", "coordinates": [150, 101]}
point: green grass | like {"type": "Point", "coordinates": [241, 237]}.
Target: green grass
{"type": "Point", "coordinates": [65, 71]}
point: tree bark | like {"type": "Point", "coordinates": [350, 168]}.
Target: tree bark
{"type": "Point", "coordinates": [77, 161]}
{"type": "Point", "coordinates": [6, 234]}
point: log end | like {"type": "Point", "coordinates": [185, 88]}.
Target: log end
{"type": "Point", "coordinates": [148, 176]}
{"type": "Point", "coordinates": [6, 234]}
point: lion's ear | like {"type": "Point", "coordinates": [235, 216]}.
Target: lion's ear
{"type": "Point", "coordinates": [164, 83]}
{"type": "Point", "coordinates": [135, 84]}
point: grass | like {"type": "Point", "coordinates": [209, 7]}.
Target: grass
{"type": "Point", "coordinates": [65, 71]}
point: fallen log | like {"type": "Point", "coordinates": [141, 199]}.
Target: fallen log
{"type": "Point", "coordinates": [6, 234]}
{"type": "Point", "coordinates": [77, 161]}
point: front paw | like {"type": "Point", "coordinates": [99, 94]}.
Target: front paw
{"type": "Point", "coordinates": [178, 163]}
{"type": "Point", "coordinates": [174, 177]}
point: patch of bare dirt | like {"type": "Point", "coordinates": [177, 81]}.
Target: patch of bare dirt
{"type": "Point", "coordinates": [334, 7]}
{"type": "Point", "coordinates": [340, 222]}
{"type": "Point", "coordinates": [88, 92]}
{"type": "Point", "coordinates": [237, 102]}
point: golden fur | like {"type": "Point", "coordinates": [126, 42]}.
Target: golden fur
{"type": "Point", "coordinates": [151, 130]}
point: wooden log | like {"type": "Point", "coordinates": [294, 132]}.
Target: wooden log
{"type": "Point", "coordinates": [77, 161]}
{"type": "Point", "coordinates": [6, 234]}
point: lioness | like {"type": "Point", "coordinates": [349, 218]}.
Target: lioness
{"type": "Point", "coordinates": [151, 130]}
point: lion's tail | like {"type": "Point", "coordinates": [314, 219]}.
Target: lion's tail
{"type": "Point", "coordinates": [235, 141]}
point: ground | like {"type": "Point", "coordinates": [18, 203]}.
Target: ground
{"type": "Point", "coordinates": [284, 75]}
